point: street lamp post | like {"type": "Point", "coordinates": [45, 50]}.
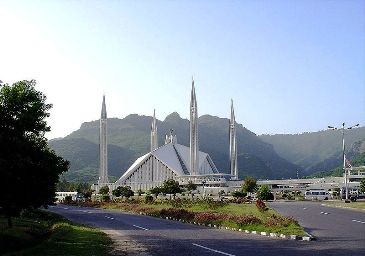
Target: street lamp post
{"type": "Point", "coordinates": [343, 155]}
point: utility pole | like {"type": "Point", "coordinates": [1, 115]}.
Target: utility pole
{"type": "Point", "coordinates": [344, 156]}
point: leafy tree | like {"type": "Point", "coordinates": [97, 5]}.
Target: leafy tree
{"type": "Point", "coordinates": [264, 193]}
{"type": "Point", "coordinates": [191, 186]}
{"type": "Point", "coordinates": [156, 191]}
{"type": "Point", "coordinates": [104, 190]}
{"type": "Point", "coordinates": [171, 186]}
{"type": "Point", "coordinates": [124, 191]}
{"type": "Point", "coordinates": [362, 186]}
{"type": "Point", "coordinates": [249, 185]}
{"type": "Point", "coordinates": [88, 193]}
{"type": "Point", "coordinates": [239, 194]}
{"type": "Point", "coordinates": [25, 158]}
{"type": "Point", "coordinates": [117, 192]}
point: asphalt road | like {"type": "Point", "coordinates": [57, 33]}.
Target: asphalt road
{"type": "Point", "coordinates": [333, 227]}
{"type": "Point", "coordinates": [152, 236]}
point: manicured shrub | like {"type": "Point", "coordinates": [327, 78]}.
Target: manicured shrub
{"type": "Point", "coordinates": [148, 199]}
{"type": "Point", "coordinates": [205, 217]}
{"type": "Point", "coordinates": [177, 213]}
{"type": "Point", "coordinates": [239, 194]}
{"type": "Point", "coordinates": [247, 220]}
{"type": "Point", "coordinates": [275, 220]}
{"type": "Point", "coordinates": [105, 198]}
{"type": "Point", "coordinates": [240, 200]}
{"type": "Point", "coordinates": [261, 205]}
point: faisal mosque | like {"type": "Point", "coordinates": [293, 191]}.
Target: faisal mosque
{"type": "Point", "coordinates": [173, 160]}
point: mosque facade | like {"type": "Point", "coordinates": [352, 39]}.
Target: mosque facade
{"type": "Point", "coordinates": [173, 160]}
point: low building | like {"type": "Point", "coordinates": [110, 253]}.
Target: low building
{"type": "Point", "coordinates": [60, 196]}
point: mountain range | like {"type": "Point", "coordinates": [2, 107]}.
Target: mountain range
{"type": "Point", "coordinates": [264, 156]}
{"type": "Point", "coordinates": [316, 151]}
{"type": "Point", "coordinates": [129, 138]}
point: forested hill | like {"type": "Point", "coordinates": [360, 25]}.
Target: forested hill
{"type": "Point", "coordinates": [129, 138]}
{"type": "Point", "coordinates": [356, 156]}
{"type": "Point", "coordinates": [315, 151]}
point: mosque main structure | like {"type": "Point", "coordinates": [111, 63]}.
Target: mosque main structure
{"type": "Point", "coordinates": [172, 160]}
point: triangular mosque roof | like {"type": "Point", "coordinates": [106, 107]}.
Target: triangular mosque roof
{"type": "Point", "coordinates": [177, 158]}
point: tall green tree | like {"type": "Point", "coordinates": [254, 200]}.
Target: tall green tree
{"type": "Point", "coordinates": [104, 190]}
{"type": "Point", "coordinates": [124, 191]}
{"type": "Point", "coordinates": [28, 167]}
{"type": "Point", "coordinates": [156, 191]}
{"type": "Point", "coordinates": [171, 186]}
{"type": "Point", "coordinates": [264, 193]}
{"type": "Point", "coordinates": [249, 185]}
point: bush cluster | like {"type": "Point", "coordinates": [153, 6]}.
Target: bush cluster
{"type": "Point", "coordinates": [209, 217]}
{"type": "Point", "coordinates": [261, 205]}
{"type": "Point", "coordinates": [247, 220]}
{"type": "Point", "coordinates": [180, 214]}
{"type": "Point", "coordinates": [275, 220]}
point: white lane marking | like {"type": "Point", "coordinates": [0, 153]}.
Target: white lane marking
{"type": "Point", "coordinates": [325, 213]}
{"type": "Point", "coordinates": [304, 208]}
{"type": "Point", "coordinates": [65, 208]}
{"type": "Point", "coordinates": [224, 253]}
{"type": "Point", "coordinates": [111, 218]}
{"type": "Point", "coordinates": [362, 222]}
{"type": "Point", "coordinates": [140, 227]}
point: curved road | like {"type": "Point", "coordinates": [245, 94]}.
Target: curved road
{"type": "Point", "coordinates": [144, 235]}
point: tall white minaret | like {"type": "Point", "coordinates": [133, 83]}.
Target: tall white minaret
{"type": "Point", "coordinates": [233, 144]}
{"type": "Point", "coordinates": [103, 171]}
{"type": "Point", "coordinates": [194, 144]}
{"type": "Point", "coordinates": [154, 141]}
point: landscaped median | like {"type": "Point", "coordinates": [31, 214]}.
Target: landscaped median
{"type": "Point", "coordinates": [244, 217]}
{"type": "Point", "coordinates": [44, 233]}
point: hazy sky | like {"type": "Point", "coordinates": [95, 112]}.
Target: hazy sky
{"type": "Point", "coordinates": [290, 66]}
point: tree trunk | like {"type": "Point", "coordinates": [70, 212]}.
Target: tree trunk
{"type": "Point", "coordinates": [10, 223]}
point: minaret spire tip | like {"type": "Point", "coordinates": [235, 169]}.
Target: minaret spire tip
{"type": "Point", "coordinates": [154, 138]}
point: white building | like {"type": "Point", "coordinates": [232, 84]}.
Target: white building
{"type": "Point", "coordinates": [170, 161]}
{"type": "Point", "coordinates": [179, 162]}
{"type": "Point", "coordinates": [61, 195]}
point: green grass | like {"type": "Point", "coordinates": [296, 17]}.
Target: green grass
{"type": "Point", "coordinates": [353, 205]}
{"type": "Point", "coordinates": [228, 208]}
{"type": "Point", "coordinates": [45, 233]}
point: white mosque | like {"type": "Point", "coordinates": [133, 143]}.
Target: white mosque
{"type": "Point", "coordinates": [173, 160]}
